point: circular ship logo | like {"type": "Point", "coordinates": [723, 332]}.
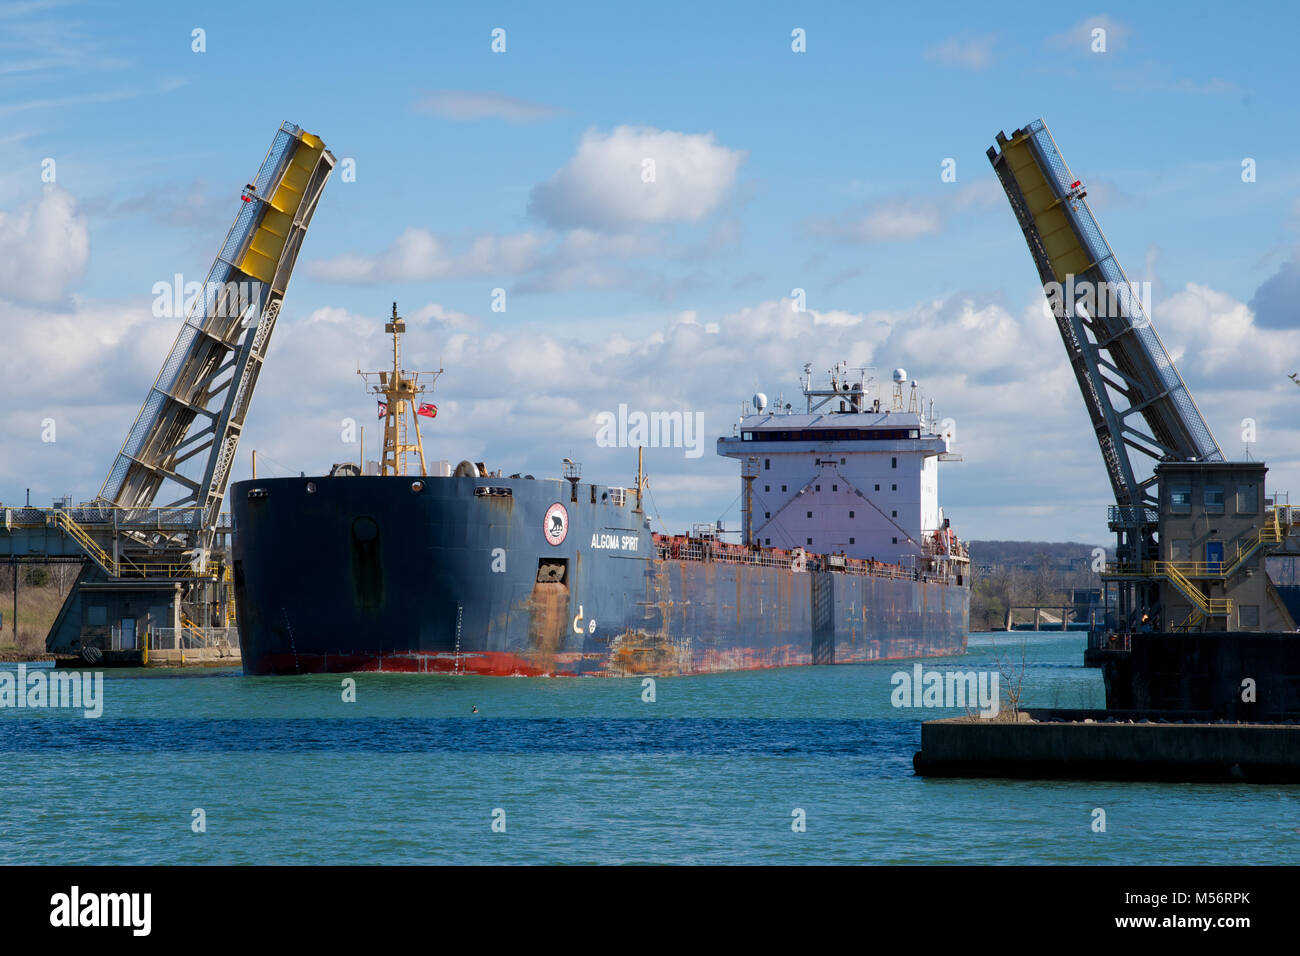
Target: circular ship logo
{"type": "Point", "coordinates": [556, 527]}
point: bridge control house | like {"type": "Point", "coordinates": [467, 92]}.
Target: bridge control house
{"type": "Point", "coordinates": [1215, 534]}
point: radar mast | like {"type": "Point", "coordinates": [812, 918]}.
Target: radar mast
{"type": "Point", "coordinates": [400, 390]}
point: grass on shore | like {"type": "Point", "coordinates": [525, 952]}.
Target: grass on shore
{"type": "Point", "coordinates": [37, 609]}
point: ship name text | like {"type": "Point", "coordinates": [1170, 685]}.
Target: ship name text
{"type": "Point", "coordinates": [615, 542]}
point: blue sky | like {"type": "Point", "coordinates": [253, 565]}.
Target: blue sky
{"type": "Point", "coordinates": [818, 170]}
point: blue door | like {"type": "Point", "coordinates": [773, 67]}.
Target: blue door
{"type": "Point", "coordinates": [1214, 556]}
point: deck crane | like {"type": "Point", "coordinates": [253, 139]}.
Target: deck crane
{"type": "Point", "coordinates": [1141, 410]}
{"type": "Point", "coordinates": [182, 444]}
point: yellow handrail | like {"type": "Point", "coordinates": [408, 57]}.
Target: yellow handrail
{"type": "Point", "coordinates": [1220, 569]}
{"type": "Point", "coordinates": [1210, 607]}
{"type": "Point", "coordinates": [87, 543]}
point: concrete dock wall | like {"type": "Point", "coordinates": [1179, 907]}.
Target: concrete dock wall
{"type": "Point", "coordinates": [1208, 671]}
{"type": "Point", "coordinates": [1127, 751]}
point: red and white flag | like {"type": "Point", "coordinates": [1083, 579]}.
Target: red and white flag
{"type": "Point", "coordinates": [428, 409]}
{"type": "Point", "coordinates": [383, 409]}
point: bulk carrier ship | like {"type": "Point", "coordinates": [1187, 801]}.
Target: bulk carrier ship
{"type": "Point", "coordinates": [844, 557]}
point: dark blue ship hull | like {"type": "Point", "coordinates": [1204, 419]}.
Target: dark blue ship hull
{"type": "Point", "coordinates": [538, 577]}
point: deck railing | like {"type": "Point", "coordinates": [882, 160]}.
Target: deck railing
{"type": "Point", "coordinates": [193, 638]}
{"type": "Point", "coordinates": [695, 549]}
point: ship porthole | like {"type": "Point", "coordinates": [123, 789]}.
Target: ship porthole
{"type": "Point", "coordinates": [311, 487]}
{"type": "Point", "coordinates": [417, 487]}
{"type": "Point", "coordinates": [365, 529]}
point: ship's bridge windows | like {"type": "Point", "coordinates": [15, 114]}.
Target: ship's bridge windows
{"type": "Point", "coordinates": [832, 434]}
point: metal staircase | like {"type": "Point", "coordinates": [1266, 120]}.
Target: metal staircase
{"type": "Point", "coordinates": [102, 558]}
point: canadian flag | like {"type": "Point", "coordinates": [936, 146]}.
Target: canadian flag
{"type": "Point", "coordinates": [428, 409]}
{"type": "Point", "coordinates": [383, 409]}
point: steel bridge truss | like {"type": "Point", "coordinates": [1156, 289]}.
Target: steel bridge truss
{"type": "Point", "coordinates": [1140, 408]}
{"type": "Point", "coordinates": [1135, 397]}
{"type": "Point", "coordinates": [213, 365]}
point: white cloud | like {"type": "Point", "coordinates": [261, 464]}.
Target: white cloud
{"type": "Point", "coordinates": [1211, 334]}
{"type": "Point", "coordinates": [602, 186]}
{"type": "Point", "coordinates": [539, 262]}
{"type": "Point", "coordinates": [88, 368]}
{"type": "Point", "coordinates": [969, 52]}
{"type": "Point", "coordinates": [600, 206]}
{"type": "Point", "coordinates": [894, 221]}
{"type": "Point", "coordinates": [904, 218]}
{"type": "Point", "coordinates": [419, 255]}
{"type": "Point", "coordinates": [44, 248]}
{"type": "Point", "coordinates": [520, 397]}
{"type": "Point", "coordinates": [474, 105]}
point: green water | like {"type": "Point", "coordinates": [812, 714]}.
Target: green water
{"type": "Point", "coordinates": [582, 771]}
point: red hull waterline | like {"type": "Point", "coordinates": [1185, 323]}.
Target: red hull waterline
{"type": "Point", "coordinates": [501, 664]}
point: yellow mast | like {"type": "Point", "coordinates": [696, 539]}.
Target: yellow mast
{"type": "Point", "coordinates": [400, 390]}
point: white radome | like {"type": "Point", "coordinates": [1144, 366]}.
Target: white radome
{"type": "Point", "coordinates": [900, 375]}
{"type": "Point", "coordinates": [760, 401]}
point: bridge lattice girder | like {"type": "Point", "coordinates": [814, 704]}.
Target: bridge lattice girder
{"type": "Point", "coordinates": [1135, 397]}
{"type": "Point", "coordinates": [213, 365]}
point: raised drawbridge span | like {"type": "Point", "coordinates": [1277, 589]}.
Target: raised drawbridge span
{"type": "Point", "coordinates": [1141, 410]}
{"type": "Point", "coordinates": [213, 365]}
{"type": "Point", "coordinates": [1146, 423]}
{"type": "Point", "coordinates": [154, 537]}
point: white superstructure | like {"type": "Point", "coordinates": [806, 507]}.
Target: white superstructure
{"type": "Point", "coordinates": [848, 473]}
